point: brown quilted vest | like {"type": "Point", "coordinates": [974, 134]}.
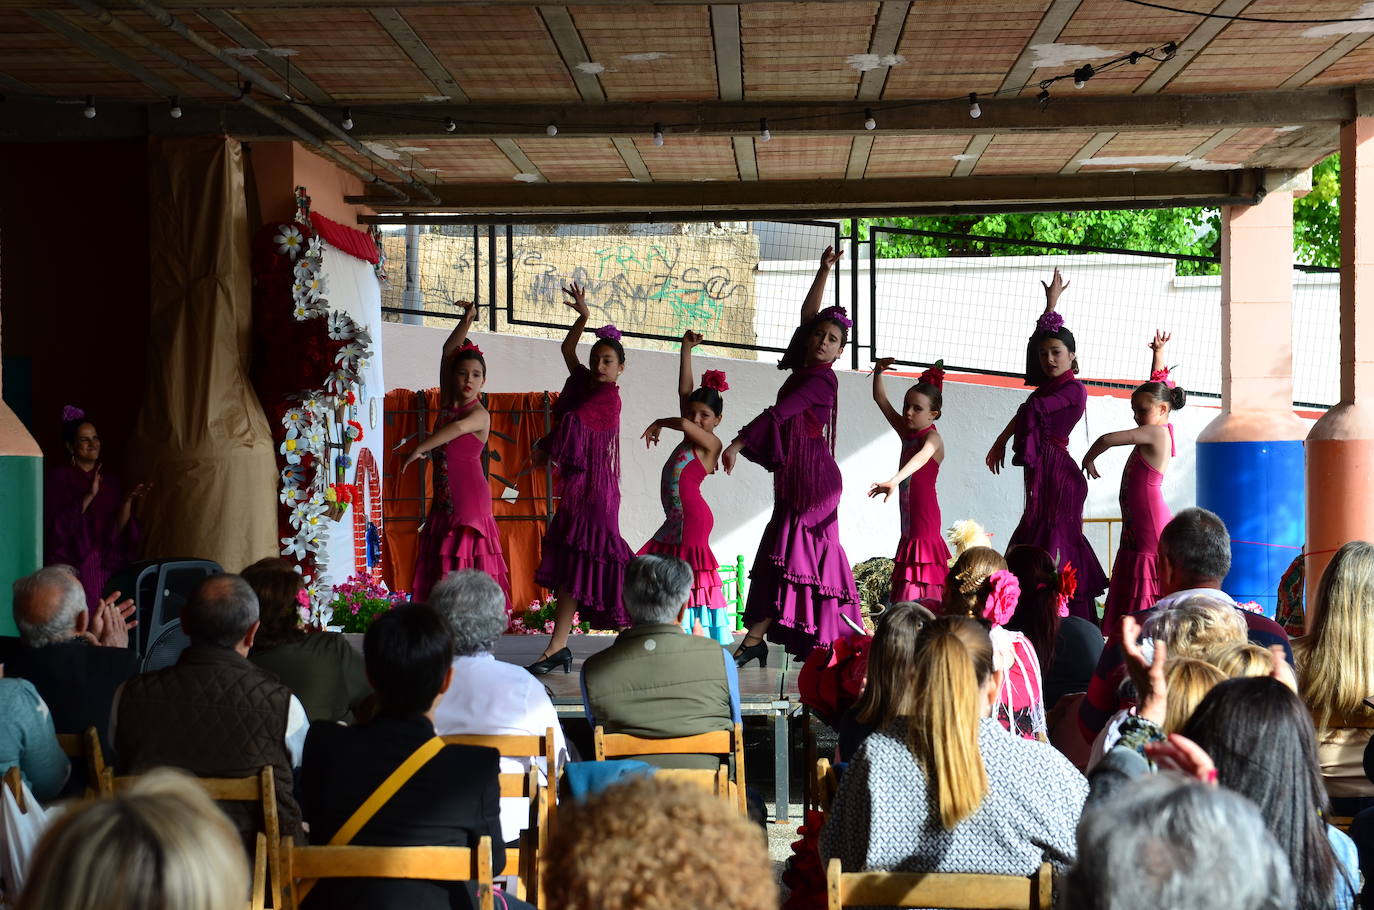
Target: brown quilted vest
{"type": "Point", "coordinates": [213, 714]}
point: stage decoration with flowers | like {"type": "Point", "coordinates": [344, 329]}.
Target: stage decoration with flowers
{"type": "Point", "coordinates": [538, 620]}
{"type": "Point", "coordinates": [319, 425]}
{"type": "Point", "coordinates": [359, 600]}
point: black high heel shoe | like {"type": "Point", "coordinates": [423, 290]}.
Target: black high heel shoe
{"type": "Point", "coordinates": [562, 656]}
{"type": "Point", "coordinates": [747, 653]}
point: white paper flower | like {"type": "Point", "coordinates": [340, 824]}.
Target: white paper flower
{"type": "Point", "coordinates": [289, 241]}
{"type": "Point", "coordinates": [291, 448]}
{"type": "Point", "coordinates": [315, 287]}
{"type": "Point", "coordinates": [304, 268]}
{"type": "Point", "coordinates": [350, 353]}
{"type": "Point", "coordinates": [295, 419]}
{"type": "Point", "coordinates": [289, 496]}
{"type": "Point", "coordinates": [339, 381]}
{"type": "Point", "coordinates": [293, 547]}
{"type": "Point", "coordinates": [342, 327]}
{"type": "Point", "coordinates": [315, 249]}
{"type": "Point", "coordinates": [312, 439]}
{"type": "Point", "coordinates": [305, 514]}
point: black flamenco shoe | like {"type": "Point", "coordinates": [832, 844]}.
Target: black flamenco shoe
{"type": "Point", "coordinates": [562, 656]}
{"type": "Point", "coordinates": [747, 653]}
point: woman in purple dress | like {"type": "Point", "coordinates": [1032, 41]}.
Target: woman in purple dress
{"type": "Point", "coordinates": [584, 556]}
{"type": "Point", "coordinates": [801, 584]}
{"type": "Point", "coordinates": [460, 531]}
{"type": "Point", "coordinates": [1055, 488]}
{"type": "Point", "coordinates": [89, 520]}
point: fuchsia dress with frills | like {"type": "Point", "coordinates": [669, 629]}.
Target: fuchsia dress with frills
{"type": "Point", "coordinates": [801, 577]}
{"type": "Point", "coordinates": [460, 531]}
{"type": "Point", "coordinates": [686, 534]}
{"type": "Point", "coordinates": [583, 551]}
{"type": "Point", "coordinates": [1055, 487]}
{"type": "Point", "coordinates": [1135, 574]}
{"type": "Point", "coordinates": [922, 560]}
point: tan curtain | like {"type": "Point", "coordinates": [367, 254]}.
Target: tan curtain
{"type": "Point", "coordinates": [201, 432]}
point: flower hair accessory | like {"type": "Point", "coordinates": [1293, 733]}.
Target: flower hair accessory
{"type": "Point", "coordinates": [1163, 376]}
{"type": "Point", "coordinates": [70, 413]}
{"type": "Point", "coordinates": [934, 374]}
{"type": "Point", "coordinates": [715, 379]}
{"type": "Point", "coordinates": [1068, 587]}
{"type": "Point", "coordinates": [469, 346]}
{"type": "Point", "coordinates": [608, 332]}
{"type": "Point", "coordinates": [838, 315]}
{"type": "Point", "coordinates": [964, 535]}
{"type": "Point", "coordinates": [1050, 322]}
{"type": "Point", "coordinates": [1002, 599]}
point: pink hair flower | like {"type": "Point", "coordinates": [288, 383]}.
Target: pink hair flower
{"type": "Point", "coordinates": [70, 413]}
{"type": "Point", "coordinates": [608, 332]}
{"type": "Point", "coordinates": [1002, 599]}
{"type": "Point", "coordinates": [839, 315]}
{"type": "Point", "coordinates": [1050, 322]}
{"type": "Point", "coordinates": [715, 379]}
{"type": "Point", "coordinates": [1163, 376]}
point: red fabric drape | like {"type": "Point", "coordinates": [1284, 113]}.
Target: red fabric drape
{"type": "Point", "coordinates": [341, 237]}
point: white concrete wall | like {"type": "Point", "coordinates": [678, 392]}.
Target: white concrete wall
{"type": "Point", "coordinates": [867, 448]}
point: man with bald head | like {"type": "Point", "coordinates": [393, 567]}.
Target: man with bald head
{"type": "Point", "coordinates": [76, 660]}
{"type": "Point", "coordinates": [214, 713]}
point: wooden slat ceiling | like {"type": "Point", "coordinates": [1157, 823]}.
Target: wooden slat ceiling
{"type": "Point", "coordinates": [572, 56]}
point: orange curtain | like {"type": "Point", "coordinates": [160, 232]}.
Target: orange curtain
{"type": "Point", "coordinates": [517, 420]}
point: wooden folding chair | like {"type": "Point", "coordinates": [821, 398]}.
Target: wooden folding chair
{"type": "Point", "coordinates": [513, 745]}
{"type": "Point", "coordinates": [261, 789]}
{"type": "Point", "coordinates": [258, 901]}
{"type": "Point", "coordinates": [716, 782]}
{"type": "Point", "coordinates": [958, 891]}
{"type": "Point", "coordinates": [14, 779]}
{"type": "Point", "coordinates": [721, 743]}
{"type": "Point", "coordinates": [825, 783]}
{"type": "Point", "coordinates": [86, 746]}
{"type": "Point", "coordinates": [523, 863]}
{"type": "Point", "coordinates": [446, 864]}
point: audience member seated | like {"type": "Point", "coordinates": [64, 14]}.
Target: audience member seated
{"type": "Point", "coordinates": [1068, 646]}
{"type": "Point", "coordinates": [320, 668]}
{"type": "Point", "coordinates": [980, 586]}
{"type": "Point", "coordinates": [1194, 557]}
{"type": "Point", "coordinates": [214, 713]}
{"type": "Point", "coordinates": [656, 681]}
{"type": "Point", "coordinates": [1336, 673]}
{"type": "Point", "coordinates": [75, 659]}
{"type": "Point", "coordinates": [489, 696]}
{"type": "Point", "coordinates": [943, 787]}
{"type": "Point", "coordinates": [1188, 679]}
{"type": "Point", "coordinates": [160, 844]}
{"type": "Point", "coordinates": [1243, 658]}
{"type": "Point", "coordinates": [452, 799]}
{"type": "Point", "coordinates": [647, 843]}
{"type": "Point", "coordinates": [1206, 847]}
{"type": "Point", "coordinates": [28, 740]}
{"type": "Point", "coordinates": [887, 688]}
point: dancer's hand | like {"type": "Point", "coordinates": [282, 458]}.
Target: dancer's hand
{"type": "Point", "coordinates": [469, 311]}
{"type": "Point", "coordinates": [1160, 340]}
{"type": "Point", "coordinates": [886, 489]}
{"type": "Point", "coordinates": [727, 458]}
{"type": "Point", "coordinates": [414, 456]}
{"type": "Point", "coordinates": [691, 339]}
{"type": "Point", "coordinates": [579, 299]}
{"type": "Point", "coordinates": [883, 364]}
{"type": "Point", "coordinates": [997, 457]}
{"type": "Point", "coordinates": [830, 256]}
{"type": "Point", "coordinates": [650, 436]}
{"type": "Point", "coordinates": [1056, 287]}
{"type": "Point", "coordinates": [1090, 467]}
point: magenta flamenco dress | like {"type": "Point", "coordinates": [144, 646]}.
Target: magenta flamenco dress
{"type": "Point", "coordinates": [583, 551]}
{"type": "Point", "coordinates": [686, 534]}
{"type": "Point", "coordinates": [922, 560]}
{"type": "Point", "coordinates": [89, 541]}
{"type": "Point", "coordinates": [460, 532]}
{"type": "Point", "coordinates": [1135, 574]}
{"type": "Point", "coordinates": [801, 577]}
{"type": "Point", "coordinates": [1055, 487]}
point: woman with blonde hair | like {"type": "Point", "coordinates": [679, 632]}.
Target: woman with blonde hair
{"type": "Point", "coordinates": [162, 845]}
{"type": "Point", "coordinates": [1335, 662]}
{"type": "Point", "coordinates": [947, 789]}
{"type": "Point", "coordinates": [1239, 660]}
{"type": "Point", "coordinates": [980, 586]}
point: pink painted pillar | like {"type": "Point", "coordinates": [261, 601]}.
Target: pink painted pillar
{"type": "Point", "coordinates": [1250, 459]}
{"type": "Point", "coordinates": [1340, 448]}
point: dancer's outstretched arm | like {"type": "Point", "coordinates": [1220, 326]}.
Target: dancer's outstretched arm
{"type": "Point", "coordinates": [894, 419]}
{"type": "Point", "coordinates": [455, 339]}
{"type": "Point", "coordinates": [816, 295]}
{"type": "Point", "coordinates": [579, 305]}
{"type": "Point", "coordinates": [475, 422]}
{"type": "Point", "coordinates": [686, 382]}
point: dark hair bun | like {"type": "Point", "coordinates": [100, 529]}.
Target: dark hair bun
{"type": "Point", "coordinates": [1177, 397]}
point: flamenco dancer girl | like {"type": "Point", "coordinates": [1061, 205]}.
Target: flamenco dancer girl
{"type": "Point", "coordinates": [460, 531]}
{"type": "Point", "coordinates": [686, 529]}
{"type": "Point", "coordinates": [922, 559]}
{"type": "Point", "coordinates": [801, 584]}
{"type": "Point", "coordinates": [1135, 579]}
{"type": "Point", "coordinates": [1055, 488]}
{"type": "Point", "coordinates": [584, 555]}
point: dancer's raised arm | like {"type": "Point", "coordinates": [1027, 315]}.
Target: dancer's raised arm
{"type": "Point", "coordinates": [1158, 371]}
{"type": "Point", "coordinates": [579, 305]}
{"type": "Point", "coordinates": [816, 295]}
{"type": "Point", "coordinates": [894, 419]}
{"type": "Point", "coordinates": [686, 382]}
{"type": "Point", "coordinates": [930, 448]}
{"type": "Point", "coordinates": [455, 341]}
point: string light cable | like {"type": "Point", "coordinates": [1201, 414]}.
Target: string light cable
{"type": "Point", "coordinates": [1237, 18]}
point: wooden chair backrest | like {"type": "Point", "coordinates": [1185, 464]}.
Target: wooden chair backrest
{"type": "Point", "coordinates": [716, 782]}
{"type": "Point", "coordinates": [523, 861]}
{"type": "Point", "coordinates": [86, 746]}
{"type": "Point", "coordinates": [14, 779]}
{"type": "Point", "coordinates": [825, 783]}
{"type": "Point", "coordinates": [448, 864]}
{"type": "Point", "coordinates": [258, 900]}
{"type": "Point", "coordinates": [514, 745]}
{"type": "Point", "coordinates": [957, 891]}
{"type": "Point", "coordinates": [722, 743]}
{"type": "Point", "coordinates": [261, 789]}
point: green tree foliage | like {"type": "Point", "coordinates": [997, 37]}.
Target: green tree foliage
{"type": "Point", "coordinates": [1188, 231]}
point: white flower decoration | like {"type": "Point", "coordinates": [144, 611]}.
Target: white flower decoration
{"type": "Point", "coordinates": [293, 547]}
{"type": "Point", "coordinates": [350, 353]}
{"type": "Point", "coordinates": [315, 249]}
{"type": "Point", "coordinates": [305, 514]}
{"type": "Point", "coordinates": [313, 439]}
{"type": "Point", "coordinates": [339, 381]}
{"type": "Point", "coordinates": [295, 419]}
{"type": "Point", "coordinates": [289, 241]}
{"type": "Point", "coordinates": [315, 287]}
{"type": "Point", "coordinates": [291, 448]}
{"type": "Point", "coordinates": [342, 327]}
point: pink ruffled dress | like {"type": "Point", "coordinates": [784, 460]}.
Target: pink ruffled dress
{"type": "Point", "coordinates": [583, 551]}
{"type": "Point", "coordinates": [801, 577]}
{"type": "Point", "coordinates": [1135, 574]}
{"type": "Point", "coordinates": [686, 534]}
{"type": "Point", "coordinates": [460, 531]}
{"type": "Point", "coordinates": [922, 560]}
{"type": "Point", "coordinates": [1055, 487]}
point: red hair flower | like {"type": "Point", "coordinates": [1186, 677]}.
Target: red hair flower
{"type": "Point", "coordinates": [714, 379]}
{"type": "Point", "coordinates": [1003, 598]}
{"type": "Point", "coordinates": [469, 346]}
{"type": "Point", "coordinates": [1068, 587]}
{"type": "Point", "coordinates": [934, 374]}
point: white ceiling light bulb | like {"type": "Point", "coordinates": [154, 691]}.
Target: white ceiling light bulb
{"type": "Point", "coordinates": [974, 110]}
{"type": "Point", "coordinates": [348, 119]}
{"type": "Point", "coordinates": [175, 112]}
{"type": "Point", "coordinates": [89, 111]}
{"type": "Point", "coordinates": [658, 134]}
{"type": "Point", "coordinates": [551, 129]}
{"type": "Point", "coordinates": [870, 123]}
{"type": "Point", "coordinates": [764, 134]}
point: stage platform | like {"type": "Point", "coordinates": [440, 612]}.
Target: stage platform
{"type": "Point", "coordinates": [770, 693]}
